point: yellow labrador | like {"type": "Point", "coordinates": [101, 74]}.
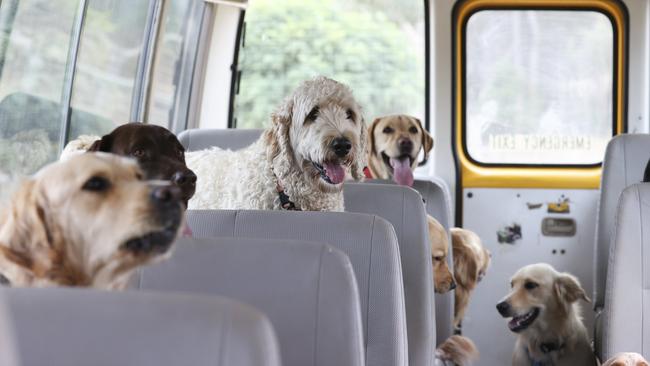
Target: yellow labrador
{"type": "Point", "coordinates": [395, 142]}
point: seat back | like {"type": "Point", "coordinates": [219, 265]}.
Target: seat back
{"type": "Point", "coordinates": [626, 314]}
{"type": "Point", "coordinates": [437, 203]}
{"type": "Point", "coordinates": [625, 160]}
{"type": "Point", "coordinates": [308, 291]}
{"type": "Point", "coordinates": [82, 327]}
{"type": "Point", "coordinates": [404, 209]}
{"type": "Point", "coordinates": [368, 241]}
{"type": "Point", "coordinates": [233, 139]}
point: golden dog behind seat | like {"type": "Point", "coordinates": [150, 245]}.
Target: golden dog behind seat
{"type": "Point", "coordinates": [87, 221]}
{"type": "Point", "coordinates": [443, 279]}
{"type": "Point", "coordinates": [471, 261]}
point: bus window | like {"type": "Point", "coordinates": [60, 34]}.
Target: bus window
{"type": "Point", "coordinates": [374, 46]}
{"type": "Point", "coordinates": [32, 69]}
{"type": "Point", "coordinates": [539, 86]}
{"type": "Point", "coordinates": [169, 62]}
{"type": "Point", "coordinates": [111, 43]}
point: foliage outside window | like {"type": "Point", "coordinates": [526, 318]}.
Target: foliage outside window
{"type": "Point", "coordinates": [374, 46]}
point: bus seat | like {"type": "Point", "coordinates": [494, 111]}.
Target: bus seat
{"type": "Point", "coordinates": [307, 290]}
{"type": "Point", "coordinates": [369, 242]}
{"type": "Point", "coordinates": [626, 314]}
{"type": "Point", "coordinates": [404, 209]}
{"type": "Point", "coordinates": [61, 327]}
{"type": "Point", "coordinates": [233, 139]}
{"type": "Point", "coordinates": [437, 202]}
{"type": "Point", "coordinates": [625, 159]}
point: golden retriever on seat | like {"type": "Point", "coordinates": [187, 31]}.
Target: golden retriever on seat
{"type": "Point", "coordinates": [395, 142]}
{"type": "Point", "coordinates": [443, 279]}
{"type": "Point", "coordinates": [87, 221]}
{"type": "Point", "coordinates": [471, 261]}
{"type": "Point", "coordinates": [543, 305]}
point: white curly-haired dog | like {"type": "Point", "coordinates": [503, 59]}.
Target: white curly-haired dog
{"type": "Point", "coordinates": [316, 137]}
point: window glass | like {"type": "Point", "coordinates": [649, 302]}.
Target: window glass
{"type": "Point", "coordinates": [111, 44]}
{"type": "Point", "coordinates": [34, 41]}
{"type": "Point", "coordinates": [168, 62]}
{"type": "Point", "coordinates": [539, 86]}
{"type": "Point", "coordinates": [374, 46]}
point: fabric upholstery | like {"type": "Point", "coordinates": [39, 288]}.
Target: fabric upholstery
{"type": "Point", "coordinates": [308, 291]}
{"type": "Point", "coordinates": [57, 326]}
{"type": "Point", "coordinates": [233, 139]}
{"type": "Point", "coordinates": [368, 241]}
{"type": "Point", "coordinates": [437, 202]}
{"type": "Point", "coordinates": [625, 160]}
{"type": "Point", "coordinates": [404, 209]}
{"type": "Point", "coordinates": [626, 314]}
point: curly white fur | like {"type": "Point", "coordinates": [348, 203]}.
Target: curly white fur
{"type": "Point", "coordinates": [285, 153]}
{"type": "Point", "coordinates": [80, 145]}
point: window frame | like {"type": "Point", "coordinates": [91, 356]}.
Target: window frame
{"type": "Point", "coordinates": [473, 173]}
{"type": "Point", "coordinates": [236, 74]}
{"type": "Point", "coordinates": [188, 81]}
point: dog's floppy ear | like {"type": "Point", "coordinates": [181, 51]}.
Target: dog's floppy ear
{"type": "Point", "coordinates": [278, 137]}
{"type": "Point", "coordinates": [371, 134]}
{"type": "Point", "coordinates": [32, 235]}
{"type": "Point", "coordinates": [362, 156]}
{"type": "Point", "coordinates": [568, 288]}
{"type": "Point", "coordinates": [104, 144]}
{"type": "Point", "coordinates": [466, 267]}
{"type": "Point", "coordinates": [427, 143]}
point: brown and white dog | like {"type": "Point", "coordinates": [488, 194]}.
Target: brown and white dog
{"type": "Point", "coordinates": [546, 318]}
{"type": "Point", "coordinates": [471, 261]}
{"type": "Point", "coordinates": [89, 221]}
{"type": "Point", "coordinates": [395, 142]}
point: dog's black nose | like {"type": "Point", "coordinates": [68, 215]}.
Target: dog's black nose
{"type": "Point", "coordinates": [452, 285]}
{"type": "Point", "coordinates": [503, 308]}
{"type": "Point", "coordinates": [405, 145]}
{"type": "Point", "coordinates": [184, 178]}
{"type": "Point", "coordinates": [166, 194]}
{"type": "Point", "coordinates": [341, 146]}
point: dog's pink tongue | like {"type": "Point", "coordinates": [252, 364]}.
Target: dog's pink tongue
{"type": "Point", "coordinates": [335, 172]}
{"type": "Point", "coordinates": [402, 173]}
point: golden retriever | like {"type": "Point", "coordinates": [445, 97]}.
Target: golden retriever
{"type": "Point", "coordinates": [87, 221]}
{"type": "Point", "coordinates": [395, 142]}
{"type": "Point", "coordinates": [471, 261]}
{"type": "Point", "coordinates": [627, 359]}
{"type": "Point", "coordinates": [443, 279]}
{"type": "Point", "coordinates": [543, 305]}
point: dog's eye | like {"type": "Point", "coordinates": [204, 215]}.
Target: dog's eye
{"type": "Point", "coordinates": [413, 129]}
{"type": "Point", "coordinates": [530, 285]}
{"type": "Point", "coordinates": [388, 130]}
{"type": "Point", "coordinates": [96, 184]}
{"type": "Point", "coordinates": [139, 176]}
{"type": "Point", "coordinates": [438, 259]}
{"type": "Point", "coordinates": [313, 114]}
{"type": "Point", "coordinates": [137, 153]}
{"type": "Point", "coordinates": [349, 114]}
{"type": "Point", "coordinates": [179, 152]}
